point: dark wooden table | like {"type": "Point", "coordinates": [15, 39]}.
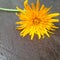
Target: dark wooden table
{"type": "Point", "coordinates": [14, 47]}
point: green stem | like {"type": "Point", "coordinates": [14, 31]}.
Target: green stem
{"type": "Point", "coordinates": [9, 10]}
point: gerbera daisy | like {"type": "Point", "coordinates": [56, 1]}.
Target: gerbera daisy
{"type": "Point", "coordinates": [36, 20]}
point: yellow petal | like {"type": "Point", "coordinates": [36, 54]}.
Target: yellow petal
{"type": "Point", "coordinates": [37, 5]}
{"type": "Point", "coordinates": [23, 17]}
{"type": "Point", "coordinates": [33, 6]}
{"type": "Point", "coordinates": [25, 32]}
{"type": "Point", "coordinates": [42, 7]}
{"type": "Point", "coordinates": [26, 5]}
{"type": "Point", "coordinates": [32, 31]}
{"type": "Point", "coordinates": [55, 27]}
{"type": "Point", "coordinates": [22, 22]}
{"type": "Point", "coordinates": [45, 11]}
{"type": "Point", "coordinates": [39, 34]}
{"type": "Point", "coordinates": [54, 20]}
{"type": "Point", "coordinates": [53, 15]}
{"type": "Point", "coordinates": [20, 10]}
{"type": "Point", "coordinates": [19, 27]}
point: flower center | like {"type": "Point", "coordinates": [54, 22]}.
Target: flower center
{"type": "Point", "coordinates": [36, 21]}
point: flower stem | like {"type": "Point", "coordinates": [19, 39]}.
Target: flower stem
{"type": "Point", "coordinates": [9, 10]}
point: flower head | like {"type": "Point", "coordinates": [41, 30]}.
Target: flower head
{"type": "Point", "coordinates": [36, 20]}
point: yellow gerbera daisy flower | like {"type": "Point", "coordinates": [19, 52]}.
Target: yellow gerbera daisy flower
{"type": "Point", "coordinates": [35, 20]}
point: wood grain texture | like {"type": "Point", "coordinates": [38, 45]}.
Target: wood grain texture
{"type": "Point", "coordinates": [14, 47]}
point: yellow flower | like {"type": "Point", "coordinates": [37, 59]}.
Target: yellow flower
{"type": "Point", "coordinates": [36, 20]}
